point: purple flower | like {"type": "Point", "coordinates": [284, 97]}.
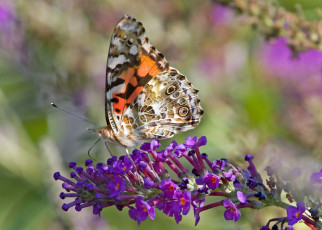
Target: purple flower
{"type": "Point", "coordinates": [168, 187]}
{"type": "Point", "coordinates": [304, 71]}
{"type": "Point", "coordinates": [190, 141]}
{"type": "Point", "coordinates": [241, 197]}
{"type": "Point", "coordinates": [116, 186]}
{"type": "Point", "coordinates": [212, 181]}
{"type": "Point", "coordinates": [200, 180]}
{"type": "Point", "coordinates": [6, 14]}
{"type": "Point", "coordinates": [221, 14]}
{"type": "Point", "coordinates": [294, 214]}
{"type": "Point", "coordinates": [137, 155]}
{"type": "Point", "coordinates": [151, 147]}
{"type": "Point", "coordinates": [219, 164]}
{"type": "Point", "coordinates": [163, 155]}
{"type": "Point", "coordinates": [231, 213]}
{"type": "Point", "coordinates": [183, 203]}
{"type": "Point", "coordinates": [180, 149]}
{"type": "Point", "coordinates": [202, 141]}
{"type": "Point", "coordinates": [196, 204]}
{"type": "Point", "coordinates": [133, 214]}
{"type": "Point", "coordinates": [111, 161]}
{"type": "Point", "coordinates": [147, 183]}
{"type": "Point", "coordinates": [150, 185]}
{"type": "Point", "coordinates": [229, 175]}
{"type": "Point", "coordinates": [316, 177]}
{"type": "Point", "coordinates": [171, 147]}
{"type": "Point", "coordinates": [123, 165]}
{"type": "Point", "coordinates": [143, 210]}
{"type": "Point", "coordinates": [166, 207]}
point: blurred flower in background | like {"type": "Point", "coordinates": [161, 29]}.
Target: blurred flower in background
{"type": "Point", "coordinates": [258, 98]}
{"type": "Point", "coordinates": [302, 72]}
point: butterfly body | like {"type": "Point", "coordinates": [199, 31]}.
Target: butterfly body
{"type": "Point", "coordinates": [145, 98]}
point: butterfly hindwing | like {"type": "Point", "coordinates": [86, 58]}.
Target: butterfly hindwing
{"type": "Point", "coordinates": [132, 62]}
{"type": "Point", "coordinates": [168, 104]}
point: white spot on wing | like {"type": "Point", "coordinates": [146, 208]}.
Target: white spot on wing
{"type": "Point", "coordinates": [133, 50]}
{"type": "Point", "coordinates": [116, 41]}
{"type": "Point", "coordinates": [113, 61]}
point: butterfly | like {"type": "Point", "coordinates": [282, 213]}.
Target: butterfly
{"type": "Point", "coordinates": [145, 99]}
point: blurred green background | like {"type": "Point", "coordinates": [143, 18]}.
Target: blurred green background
{"type": "Point", "coordinates": [55, 51]}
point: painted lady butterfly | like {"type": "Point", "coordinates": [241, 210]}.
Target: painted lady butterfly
{"type": "Point", "coordinates": [145, 98]}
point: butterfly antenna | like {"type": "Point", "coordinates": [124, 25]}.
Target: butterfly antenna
{"type": "Point", "coordinates": [85, 119]}
{"type": "Point", "coordinates": [88, 153]}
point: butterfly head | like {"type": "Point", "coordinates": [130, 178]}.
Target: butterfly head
{"type": "Point", "coordinates": [106, 133]}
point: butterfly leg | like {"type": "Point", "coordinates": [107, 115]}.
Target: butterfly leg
{"type": "Point", "coordinates": [88, 153]}
{"type": "Point", "coordinates": [108, 149]}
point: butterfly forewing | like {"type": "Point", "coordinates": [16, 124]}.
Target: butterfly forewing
{"type": "Point", "coordinates": [132, 62]}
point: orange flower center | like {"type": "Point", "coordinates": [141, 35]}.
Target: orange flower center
{"type": "Point", "coordinates": [214, 179]}
{"type": "Point", "coordinates": [182, 201]}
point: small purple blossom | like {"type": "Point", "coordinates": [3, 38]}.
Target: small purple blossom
{"type": "Point", "coordinates": [123, 165]}
{"type": "Point", "coordinates": [168, 187]}
{"type": "Point", "coordinates": [316, 177]}
{"type": "Point", "coordinates": [180, 150]}
{"type": "Point", "coordinates": [229, 175]}
{"type": "Point", "coordinates": [212, 181]}
{"type": "Point", "coordinates": [171, 147]}
{"type": "Point", "coordinates": [231, 213]}
{"type": "Point", "coordinates": [201, 141]}
{"type": "Point", "coordinates": [143, 210]}
{"type": "Point", "coordinates": [219, 164]}
{"type": "Point", "coordinates": [116, 186]}
{"type": "Point", "coordinates": [196, 205]}
{"type": "Point", "coordinates": [183, 203]}
{"type": "Point", "coordinates": [294, 214]}
{"type": "Point", "coordinates": [150, 147]}
{"type": "Point", "coordinates": [190, 141]}
{"type": "Point", "coordinates": [148, 183]}
{"type": "Point", "coordinates": [241, 197]}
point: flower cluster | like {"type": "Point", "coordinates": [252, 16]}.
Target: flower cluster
{"type": "Point", "coordinates": [141, 182]}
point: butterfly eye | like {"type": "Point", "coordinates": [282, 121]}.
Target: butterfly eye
{"type": "Point", "coordinates": [124, 37]}
{"type": "Point", "coordinates": [183, 111]}
{"type": "Point", "coordinates": [171, 89]}
{"type": "Point", "coordinates": [182, 101]}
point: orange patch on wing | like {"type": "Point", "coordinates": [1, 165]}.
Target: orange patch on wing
{"type": "Point", "coordinates": [119, 106]}
{"type": "Point", "coordinates": [134, 94]}
{"type": "Point", "coordinates": [147, 64]}
{"type": "Point", "coordinates": [128, 77]}
{"type": "Point", "coordinates": [154, 71]}
{"type": "Point", "coordinates": [133, 81]}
